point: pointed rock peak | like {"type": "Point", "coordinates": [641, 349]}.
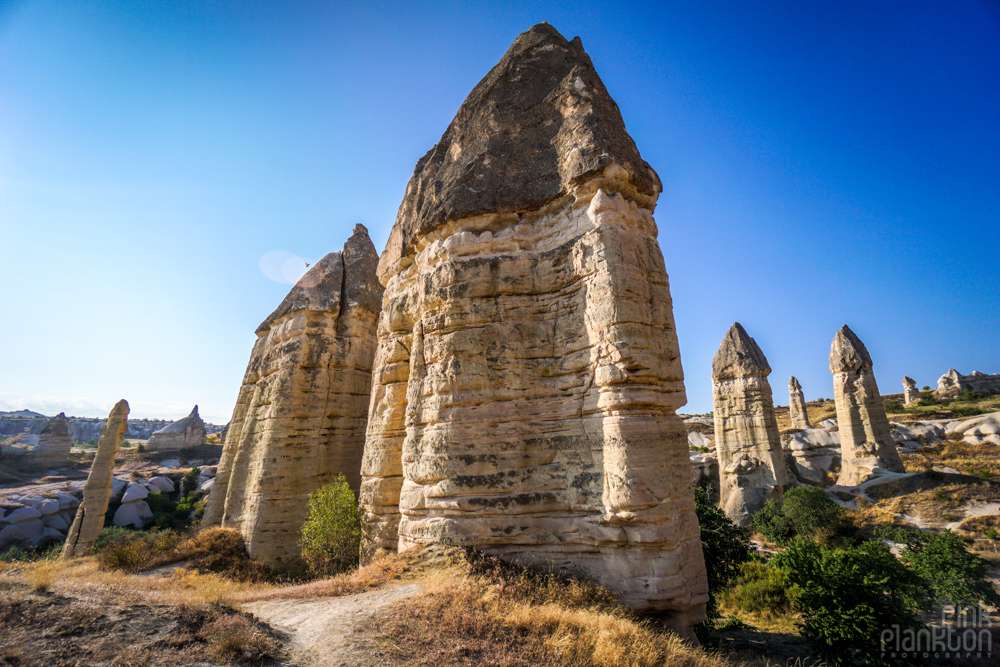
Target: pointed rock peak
{"type": "Point", "coordinates": [848, 353]}
{"type": "Point", "coordinates": [318, 289]}
{"type": "Point", "coordinates": [57, 425]}
{"type": "Point", "coordinates": [539, 124]}
{"type": "Point", "coordinates": [61, 415]}
{"type": "Point", "coordinates": [194, 413]}
{"type": "Point", "coordinates": [908, 381]}
{"type": "Point", "coordinates": [739, 356]}
{"type": "Point", "coordinates": [793, 384]}
{"type": "Point", "coordinates": [361, 284]}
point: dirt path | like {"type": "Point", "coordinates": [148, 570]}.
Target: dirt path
{"type": "Point", "coordinates": [330, 632]}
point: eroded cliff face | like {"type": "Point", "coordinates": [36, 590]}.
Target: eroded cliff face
{"type": "Point", "coordinates": [751, 463]}
{"type": "Point", "coordinates": [527, 374]}
{"type": "Point", "coordinates": [54, 443]}
{"type": "Point", "coordinates": [301, 413]}
{"type": "Point", "coordinates": [866, 443]}
{"type": "Point", "coordinates": [181, 434]}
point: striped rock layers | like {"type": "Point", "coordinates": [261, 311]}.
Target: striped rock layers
{"type": "Point", "coordinates": [528, 374]}
{"type": "Point", "coordinates": [181, 434]}
{"type": "Point", "coordinates": [54, 443]}
{"type": "Point", "coordinates": [751, 463]}
{"type": "Point", "coordinates": [301, 412]}
{"type": "Point", "coordinates": [910, 392]}
{"type": "Point", "coordinates": [866, 443]}
{"type": "Point", "coordinates": [89, 519]}
{"type": "Point", "coordinates": [797, 405]}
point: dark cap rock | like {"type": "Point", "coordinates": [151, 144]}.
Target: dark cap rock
{"type": "Point", "coordinates": [539, 123]}
{"type": "Point", "coordinates": [738, 356]}
{"type": "Point", "coordinates": [848, 353]}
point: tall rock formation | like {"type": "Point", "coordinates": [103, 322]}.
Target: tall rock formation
{"type": "Point", "coordinates": [181, 434]}
{"type": "Point", "coordinates": [910, 393]}
{"type": "Point", "coordinates": [54, 443]}
{"type": "Point", "coordinates": [953, 384]}
{"type": "Point", "coordinates": [528, 374]}
{"type": "Point", "coordinates": [301, 413]}
{"type": "Point", "coordinates": [751, 463]}
{"type": "Point", "coordinates": [797, 405]}
{"type": "Point", "coordinates": [866, 443]}
{"type": "Point", "coordinates": [97, 491]}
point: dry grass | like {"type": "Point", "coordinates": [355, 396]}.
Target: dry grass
{"type": "Point", "coordinates": [476, 612]}
{"type": "Point", "coordinates": [933, 498]}
{"type": "Point", "coordinates": [817, 412]}
{"type": "Point", "coordinates": [869, 518]}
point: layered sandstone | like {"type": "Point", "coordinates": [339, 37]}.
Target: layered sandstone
{"type": "Point", "coordinates": [528, 374]}
{"type": "Point", "coordinates": [89, 519]}
{"type": "Point", "coordinates": [54, 443]}
{"type": "Point", "coordinates": [301, 413]}
{"type": "Point", "coordinates": [797, 405]}
{"type": "Point", "coordinates": [751, 463]}
{"type": "Point", "coordinates": [953, 384]}
{"type": "Point", "coordinates": [910, 393]}
{"type": "Point", "coordinates": [181, 434]}
{"type": "Point", "coordinates": [866, 443]}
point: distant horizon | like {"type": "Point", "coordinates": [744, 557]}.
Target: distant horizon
{"type": "Point", "coordinates": [166, 172]}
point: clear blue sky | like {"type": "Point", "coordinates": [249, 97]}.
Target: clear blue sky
{"type": "Point", "coordinates": [823, 163]}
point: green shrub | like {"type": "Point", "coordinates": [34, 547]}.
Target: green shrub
{"type": "Point", "coordinates": [331, 535]}
{"type": "Point", "coordinates": [954, 575]}
{"type": "Point", "coordinates": [110, 533]}
{"type": "Point", "coordinates": [968, 396]}
{"type": "Point", "coordinates": [725, 546]}
{"type": "Point", "coordinates": [969, 411]}
{"type": "Point", "coordinates": [139, 550]}
{"type": "Point", "coordinates": [847, 597]}
{"type": "Point", "coordinates": [760, 588]}
{"type": "Point", "coordinates": [190, 481]}
{"type": "Point", "coordinates": [140, 447]}
{"type": "Point", "coordinates": [892, 405]}
{"type": "Point", "coordinates": [803, 511]}
{"type": "Point", "coordinates": [223, 551]}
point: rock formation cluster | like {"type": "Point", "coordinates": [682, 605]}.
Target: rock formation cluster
{"type": "Point", "coordinates": [751, 463]}
{"type": "Point", "coordinates": [90, 514]}
{"type": "Point", "coordinates": [953, 384]}
{"type": "Point", "coordinates": [527, 375]}
{"type": "Point", "coordinates": [54, 443]}
{"type": "Point", "coordinates": [910, 392]}
{"type": "Point", "coordinates": [182, 434]}
{"type": "Point", "coordinates": [797, 405]}
{"type": "Point", "coordinates": [301, 413]}
{"type": "Point", "coordinates": [866, 444]}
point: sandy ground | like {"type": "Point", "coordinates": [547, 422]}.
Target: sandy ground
{"type": "Point", "coordinates": [330, 632]}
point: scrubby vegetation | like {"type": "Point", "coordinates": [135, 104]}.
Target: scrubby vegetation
{"type": "Point", "coordinates": [804, 511]}
{"type": "Point", "coordinates": [331, 535]}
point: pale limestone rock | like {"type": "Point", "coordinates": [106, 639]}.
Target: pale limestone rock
{"type": "Point", "coordinates": [797, 405]}
{"type": "Point", "coordinates": [866, 443]}
{"type": "Point", "coordinates": [812, 456]}
{"type": "Point", "coordinates": [977, 430]}
{"type": "Point", "coordinates": [953, 384]}
{"type": "Point", "coordinates": [181, 434]}
{"type": "Point", "coordinates": [747, 443]}
{"type": "Point", "coordinates": [54, 443]}
{"type": "Point", "coordinates": [90, 514]}
{"type": "Point", "coordinates": [301, 413]}
{"type": "Point", "coordinates": [910, 393]}
{"type": "Point", "coordinates": [527, 377]}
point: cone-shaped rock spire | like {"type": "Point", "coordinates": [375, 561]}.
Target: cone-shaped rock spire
{"type": "Point", "coordinates": [797, 405]}
{"type": "Point", "coordinates": [300, 416]}
{"type": "Point", "coordinates": [751, 464]}
{"type": "Point", "coordinates": [528, 375]}
{"type": "Point", "coordinates": [866, 444]}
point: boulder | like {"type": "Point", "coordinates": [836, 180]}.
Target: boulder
{"type": "Point", "coordinates": [747, 443]}
{"type": "Point", "coordinates": [132, 514]}
{"type": "Point", "coordinates": [97, 492]}
{"type": "Point", "coordinates": [977, 430]}
{"type": "Point", "coordinates": [66, 501]}
{"type": "Point", "coordinates": [34, 529]}
{"type": "Point", "coordinates": [134, 492]}
{"type": "Point", "coordinates": [118, 485]}
{"type": "Point", "coordinates": [21, 514]}
{"type": "Point", "coordinates": [207, 486]}
{"type": "Point", "coordinates": [301, 414]}
{"type": "Point", "coordinates": [797, 405]}
{"type": "Point", "coordinates": [182, 434]}
{"type": "Point", "coordinates": [866, 445]}
{"type": "Point", "coordinates": [525, 388]}
{"type": "Point", "coordinates": [13, 536]}
{"type": "Point", "coordinates": [57, 522]}
{"type": "Point", "coordinates": [161, 484]}
{"type": "Point", "coordinates": [49, 506]}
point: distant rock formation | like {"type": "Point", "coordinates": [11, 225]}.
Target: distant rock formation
{"type": "Point", "coordinates": [54, 443]}
{"type": "Point", "coordinates": [182, 434]}
{"type": "Point", "coordinates": [300, 416]}
{"type": "Point", "coordinates": [527, 379]}
{"type": "Point", "coordinates": [953, 384]}
{"type": "Point", "coordinates": [866, 443]}
{"type": "Point", "coordinates": [797, 405]}
{"type": "Point", "coordinates": [751, 463]}
{"type": "Point", "coordinates": [910, 393]}
{"type": "Point", "coordinates": [90, 515]}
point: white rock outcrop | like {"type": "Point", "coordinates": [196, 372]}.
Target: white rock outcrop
{"type": "Point", "coordinates": [953, 384]}
{"type": "Point", "coordinates": [812, 456]}
{"type": "Point", "coordinates": [977, 430]}
{"type": "Point", "coordinates": [797, 412]}
{"type": "Point", "coordinates": [910, 392]}
{"type": "Point", "coordinates": [866, 443]}
{"type": "Point", "coordinates": [527, 378]}
{"type": "Point", "coordinates": [747, 442]}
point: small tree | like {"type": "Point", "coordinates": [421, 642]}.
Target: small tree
{"type": "Point", "coordinates": [331, 536]}
{"type": "Point", "coordinates": [725, 546]}
{"type": "Point", "coordinates": [804, 511]}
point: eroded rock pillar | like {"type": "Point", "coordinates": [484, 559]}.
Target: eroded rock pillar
{"type": "Point", "coordinates": [797, 405]}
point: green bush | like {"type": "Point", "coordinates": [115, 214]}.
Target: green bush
{"type": "Point", "coordinates": [760, 588]}
{"type": "Point", "coordinates": [954, 575]}
{"type": "Point", "coordinates": [139, 550]}
{"type": "Point", "coordinates": [725, 546]}
{"type": "Point", "coordinates": [969, 411]}
{"type": "Point", "coordinates": [968, 396]}
{"type": "Point", "coordinates": [331, 535]}
{"type": "Point", "coordinates": [847, 597]}
{"type": "Point", "coordinates": [109, 534]}
{"type": "Point", "coordinates": [190, 481]}
{"type": "Point", "coordinates": [892, 405]}
{"type": "Point", "coordinates": [803, 511]}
